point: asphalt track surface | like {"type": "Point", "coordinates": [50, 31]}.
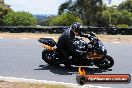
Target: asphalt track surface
{"type": "Point", "coordinates": [21, 58]}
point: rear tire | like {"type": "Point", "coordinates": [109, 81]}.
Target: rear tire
{"type": "Point", "coordinates": [47, 57]}
{"type": "Point", "coordinates": [80, 79]}
{"type": "Point", "coordinates": [106, 62]}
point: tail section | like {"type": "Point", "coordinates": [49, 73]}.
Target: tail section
{"type": "Point", "coordinates": [47, 41]}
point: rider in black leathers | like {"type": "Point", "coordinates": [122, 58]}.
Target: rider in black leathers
{"type": "Point", "coordinates": [65, 41]}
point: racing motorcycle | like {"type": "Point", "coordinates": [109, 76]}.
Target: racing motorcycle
{"type": "Point", "coordinates": [86, 54]}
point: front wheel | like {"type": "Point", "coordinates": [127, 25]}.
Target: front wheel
{"type": "Point", "coordinates": [106, 62]}
{"type": "Point", "coordinates": [47, 56]}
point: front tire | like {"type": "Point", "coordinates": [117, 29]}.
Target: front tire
{"type": "Point", "coordinates": [106, 62]}
{"type": "Point", "coordinates": [47, 57]}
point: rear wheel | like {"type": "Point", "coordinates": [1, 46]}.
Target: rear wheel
{"type": "Point", "coordinates": [80, 79]}
{"type": "Point", "coordinates": [47, 56]}
{"type": "Point", "coordinates": [106, 62]}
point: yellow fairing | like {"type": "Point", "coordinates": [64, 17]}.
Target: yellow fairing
{"type": "Point", "coordinates": [48, 47]}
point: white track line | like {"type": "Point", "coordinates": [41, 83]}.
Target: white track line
{"type": "Point", "coordinates": [18, 38]}
{"type": "Point", "coordinates": [24, 38]}
{"type": "Point", "coordinates": [1, 37]}
{"type": "Point", "coordinates": [49, 37]}
{"type": "Point", "coordinates": [116, 42]}
{"type": "Point", "coordinates": [13, 79]}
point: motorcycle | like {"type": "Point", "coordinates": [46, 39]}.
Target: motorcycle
{"type": "Point", "coordinates": [86, 54]}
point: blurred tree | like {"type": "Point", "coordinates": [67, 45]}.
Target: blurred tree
{"type": "Point", "coordinates": [112, 8]}
{"type": "Point", "coordinates": [125, 18]}
{"type": "Point", "coordinates": [105, 19]}
{"type": "Point", "coordinates": [88, 10]}
{"type": "Point", "coordinates": [64, 7]}
{"type": "Point", "coordinates": [126, 5]}
{"type": "Point", "coordinates": [115, 15]}
{"type": "Point", "coordinates": [65, 19]}
{"type": "Point", "coordinates": [46, 21]}
{"type": "Point", "coordinates": [19, 19]}
{"type": "Point", "coordinates": [4, 9]}
{"type": "Point", "coordinates": [122, 26]}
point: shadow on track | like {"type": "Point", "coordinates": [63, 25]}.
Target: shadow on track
{"type": "Point", "coordinates": [62, 70]}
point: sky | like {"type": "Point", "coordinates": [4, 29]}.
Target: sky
{"type": "Point", "coordinates": [41, 6]}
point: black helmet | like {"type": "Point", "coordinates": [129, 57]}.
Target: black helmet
{"type": "Point", "coordinates": [75, 27]}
